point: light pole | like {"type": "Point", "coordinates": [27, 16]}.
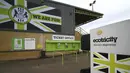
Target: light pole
{"type": "Point", "coordinates": [91, 4]}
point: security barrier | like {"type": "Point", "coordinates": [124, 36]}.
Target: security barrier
{"type": "Point", "coordinates": [62, 56]}
{"type": "Point", "coordinates": [60, 46]}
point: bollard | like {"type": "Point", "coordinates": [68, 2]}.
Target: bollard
{"type": "Point", "coordinates": [62, 58]}
{"type": "Point", "coordinates": [53, 54]}
{"type": "Point", "coordinates": [76, 57]}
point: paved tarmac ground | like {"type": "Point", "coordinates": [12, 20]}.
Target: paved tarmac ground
{"type": "Point", "coordinates": [48, 65]}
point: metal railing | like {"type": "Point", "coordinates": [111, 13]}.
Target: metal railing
{"type": "Point", "coordinates": [62, 56]}
{"type": "Point", "coordinates": [81, 30]}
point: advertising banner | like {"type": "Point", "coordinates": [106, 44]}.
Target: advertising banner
{"type": "Point", "coordinates": [27, 16]}
{"type": "Point", "coordinates": [110, 48]}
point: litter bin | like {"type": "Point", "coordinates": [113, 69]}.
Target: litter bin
{"type": "Point", "coordinates": [43, 54]}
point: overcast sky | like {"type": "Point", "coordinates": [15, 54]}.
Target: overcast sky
{"type": "Point", "coordinates": [113, 10]}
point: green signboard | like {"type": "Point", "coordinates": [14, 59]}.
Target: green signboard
{"type": "Point", "coordinates": [18, 44]}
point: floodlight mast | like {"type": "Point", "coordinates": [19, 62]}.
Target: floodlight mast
{"type": "Point", "coordinates": [92, 4]}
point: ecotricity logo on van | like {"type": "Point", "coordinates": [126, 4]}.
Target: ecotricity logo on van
{"type": "Point", "coordinates": [105, 41]}
{"type": "Point", "coordinates": [19, 14]}
{"type": "Point", "coordinates": [99, 32]}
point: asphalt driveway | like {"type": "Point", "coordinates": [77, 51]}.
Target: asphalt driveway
{"type": "Point", "coordinates": [48, 65]}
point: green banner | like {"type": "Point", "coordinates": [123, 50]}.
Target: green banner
{"type": "Point", "coordinates": [23, 17]}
